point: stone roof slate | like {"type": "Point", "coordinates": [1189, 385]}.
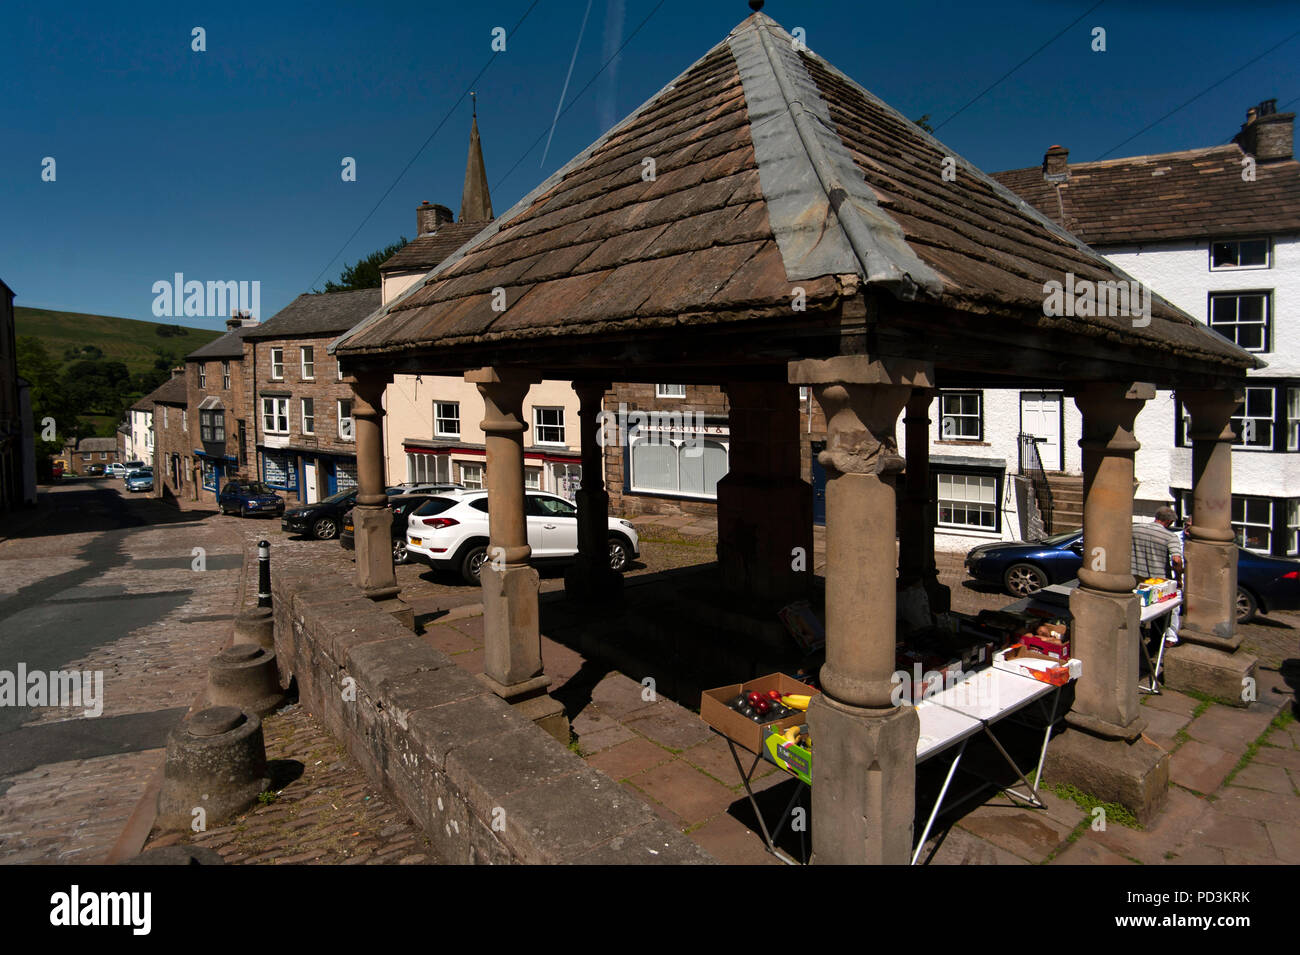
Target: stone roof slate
{"type": "Point", "coordinates": [1193, 194]}
{"type": "Point", "coordinates": [318, 313]}
{"type": "Point", "coordinates": [753, 194]}
{"type": "Point", "coordinates": [229, 345]}
{"type": "Point", "coordinates": [428, 250]}
{"type": "Point", "coordinates": [170, 392]}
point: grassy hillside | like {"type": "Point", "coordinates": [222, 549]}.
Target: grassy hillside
{"type": "Point", "coordinates": [120, 339]}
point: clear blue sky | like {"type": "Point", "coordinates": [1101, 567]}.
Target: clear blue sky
{"type": "Point", "coordinates": [225, 164]}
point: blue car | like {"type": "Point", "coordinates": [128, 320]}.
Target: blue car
{"type": "Point", "coordinates": [140, 479]}
{"type": "Point", "coordinates": [1264, 584]}
{"type": "Point", "coordinates": [247, 498]}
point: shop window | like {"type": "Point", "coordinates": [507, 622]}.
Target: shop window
{"type": "Point", "coordinates": [548, 425]}
{"type": "Point", "coordinates": [1252, 519]}
{"type": "Point", "coordinates": [446, 419]}
{"type": "Point", "coordinates": [428, 468]}
{"type": "Point", "coordinates": [309, 416]}
{"type": "Point", "coordinates": [1242, 318]}
{"type": "Point", "coordinates": [471, 475]}
{"type": "Point", "coordinates": [968, 501]}
{"type": "Point", "coordinates": [677, 465]}
{"type": "Point", "coordinates": [566, 479]}
{"type": "Point", "coordinates": [275, 415]}
{"type": "Point", "coordinates": [280, 470]}
{"type": "Point", "coordinates": [533, 479]}
{"type": "Point", "coordinates": [670, 391]}
{"type": "Point", "coordinates": [961, 416]}
{"type": "Point", "coordinates": [1239, 254]}
{"type": "Point", "coordinates": [345, 476]}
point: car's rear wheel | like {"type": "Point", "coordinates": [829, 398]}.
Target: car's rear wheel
{"type": "Point", "coordinates": [1247, 606]}
{"type": "Point", "coordinates": [243, 510]}
{"type": "Point", "coordinates": [472, 563]}
{"type": "Point", "coordinates": [325, 529]}
{"type": "Point", "coordinates": [618, 554]}
{"type": "Point", "coordinates": [400, 553]}
{"type": "Point", "coordinates": [1022, 580]}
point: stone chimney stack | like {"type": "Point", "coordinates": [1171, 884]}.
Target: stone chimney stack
{"type": "Point", "coordinates": [178, 371]}
{"type": "Point", "coordinates": [1267, 135]}
{"type": "Point", "coordinates": [233, 322]}
{"type": "Point", "coordinates": [428, 218]}
{"type": "Point", "coordinates": [1056, 164]}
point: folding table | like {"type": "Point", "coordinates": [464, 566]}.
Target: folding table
{"type": "Point", "coordinates": [1149, 613]}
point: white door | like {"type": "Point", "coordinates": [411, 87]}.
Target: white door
{"type": "Point", "coordinates": [309, 479]}
{"type": "Point", "coordinates": [1040, 415]}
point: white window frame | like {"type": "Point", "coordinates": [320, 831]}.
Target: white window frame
{"type": "Point", "coordinates": [203, 374]}
{"type": "Point", "coordinates": [1293, 419]}
{"type": "Point", "coordinates": [308, 409]}
{"type": "Point", "coordinates": [1234, 326]}
{"type": "Point", "coordinates": [347, 426]}
{"type": "Point", "coordinates": [1268, 254]}
{"type": "Point", "coordinates": [477, 482]}
{"type": "Point", "coordinates": [338, 365]}
{"type": "Point", "coordinates": [681, 447]}
{"type": "Point", "coordinates": [277, 415]}
{"type": "Point", "coordinates": [440, 417]}
{"type": "Point", "coordinates": [307, 356]}
{"type": "Point", "coordinates": [164, 417]}
{"type": "Point", "coordinates": [185, 420]}
{"type": "Point", "coordinates": [1262, 424]}
{"type": "Point", "coordinates": [1293, 527]}
{"type": "Point", "coordinates": [216, 418]}
{"type": "Point", "coordinates": [1239, 526]}
{"type": "Point", "coordinates": [965, 503]}
{"type": "Point", "coordinates": [277, 364]}
{"type": "Point", "coordinates": [225, 376]}
{"type": "Point", "coordinates": [532, 478]}
{"type": "Point", "coordinates": [539, 427]}
{"type": "Point", "coordinates": [428, 468]}
{"type": "Point", "coordinates": [960, 419]}
{"type": "Point", "coordinates": [670, 391]}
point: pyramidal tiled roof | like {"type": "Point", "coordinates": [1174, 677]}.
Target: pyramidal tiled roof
{"type": "Point", "coordinates": [1192, 194]}
{"type": "Point", "coordinates": [771, 169]}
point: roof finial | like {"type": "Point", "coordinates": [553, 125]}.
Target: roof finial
{"type": "Point", "coordinates": [756, 5]}
{"type": "Point", "coordinates": [473, 103]}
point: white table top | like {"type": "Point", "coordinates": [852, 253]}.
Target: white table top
{"type": "Point", "coordinates": [941, 728]}
{"type": "Point", "coordinates": [991, 694]}
{"type": "Point", "coordinates": [1160, 609]}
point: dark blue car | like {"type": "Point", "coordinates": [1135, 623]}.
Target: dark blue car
{"type": "Point", "coordinates": [1264, 584]}
{"type": "Point", "coordinates": [247, 498]}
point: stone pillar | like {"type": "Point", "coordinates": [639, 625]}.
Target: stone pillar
{"type": "Point", "coordinates": [512, 651]}
{"type": "Point", "coordinates": [765, 549]}
{"type": "Point", "coordinates": [1209, 660]}
{"type": "Point", "coordinates": [590, 577]}
{"type": "Point", "coordinates": [864, 800]}
{"type": "Point", "coordinates": [1104, 753]}
{"type": "Point", "coordinates": [1105, 610]}
{"type": "Point", "coordinates": [916, 533]}
{"type": "Point", "coordinates": [371, 517]}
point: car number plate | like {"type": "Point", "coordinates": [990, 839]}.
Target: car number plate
{"type": "Point", "coordinates": [416, 541]}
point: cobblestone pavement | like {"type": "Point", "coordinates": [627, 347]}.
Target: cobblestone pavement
{"type": "Point", "coordinates": [327, 811]}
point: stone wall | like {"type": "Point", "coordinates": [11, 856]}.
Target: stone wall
{"type": "Point", "coordinates": [486, 785]}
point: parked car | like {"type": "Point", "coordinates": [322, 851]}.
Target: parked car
{"type": "Point", "coordinates": [116, 469]}
{"type": "Point", "coordinates": [321, 520]}
{"type": "Point", "coordinates": [1264, 584]}
{"type": "Point", "coordinates": [130, 466]}
{"type": "Point", "coordinates": [401, 506]}
{"type": "Point", "coordinates": [141, 479]}
{"type": "Point", "coordinates": [399, 490]}
{"type": "Point", "coordinates": [94, 470]}
{"type": "Point", "coordinates": [247, 498]}
{"type": "Point", "coordinates": [449, 531]}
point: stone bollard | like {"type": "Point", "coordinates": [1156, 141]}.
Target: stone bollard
{"type": "Point", "coordinates": [256, 627]}
{"type": "Point", "coordinates": [245, 676]}
{"type": "Point", "coordinates": [214, 769]}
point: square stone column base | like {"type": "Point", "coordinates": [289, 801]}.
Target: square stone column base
{"type": "Point", "coordinates": [373, 537]}
{"type": "Point", "coordinates": [1215, 673]}
{"type": "Point", "coordinates": [399, 610]}
{"type": "Point", "coordinates": [512, 647]}
{"type": "Point", "coordinates": [1133, 774]}
{"type": "Point", "coordinates": [864, 792]}
{"type": "Point", "coordinates": [1104, 635]}
{"type": "Point", "coordinates": [530, 700]}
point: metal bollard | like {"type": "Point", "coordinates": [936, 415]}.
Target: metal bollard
{"type": "Point", "coordinates": [264, 573]}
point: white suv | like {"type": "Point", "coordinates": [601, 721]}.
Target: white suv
{"type": "Point", "coordinates": [450, 532]}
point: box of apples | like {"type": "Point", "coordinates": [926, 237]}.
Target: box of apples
{"type": "Point", "coordinates": [742, 712]}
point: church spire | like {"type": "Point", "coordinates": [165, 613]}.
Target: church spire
{"type": "Point", "coordinates": [475, 202]}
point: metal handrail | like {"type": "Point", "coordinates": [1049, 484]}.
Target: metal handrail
{"type": "Point", "coordinates": [1031, 465]}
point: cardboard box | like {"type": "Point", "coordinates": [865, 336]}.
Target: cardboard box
{"type": "Point", "coordinates": [739, 729]}
{"type": "Point", "coordinates": [793, 758]}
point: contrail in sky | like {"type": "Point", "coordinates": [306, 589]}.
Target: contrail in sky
{"type": "Point", "coordinates": [564, 92]}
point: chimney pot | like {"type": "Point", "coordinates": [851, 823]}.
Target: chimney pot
{"type": "Point", "coordinates": [1056, 164]}
{"type": "Point", "coordinates": [429, 217]}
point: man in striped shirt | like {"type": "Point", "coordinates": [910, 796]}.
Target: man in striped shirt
{"type": "Point", "coordinates": [1158, 552]}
